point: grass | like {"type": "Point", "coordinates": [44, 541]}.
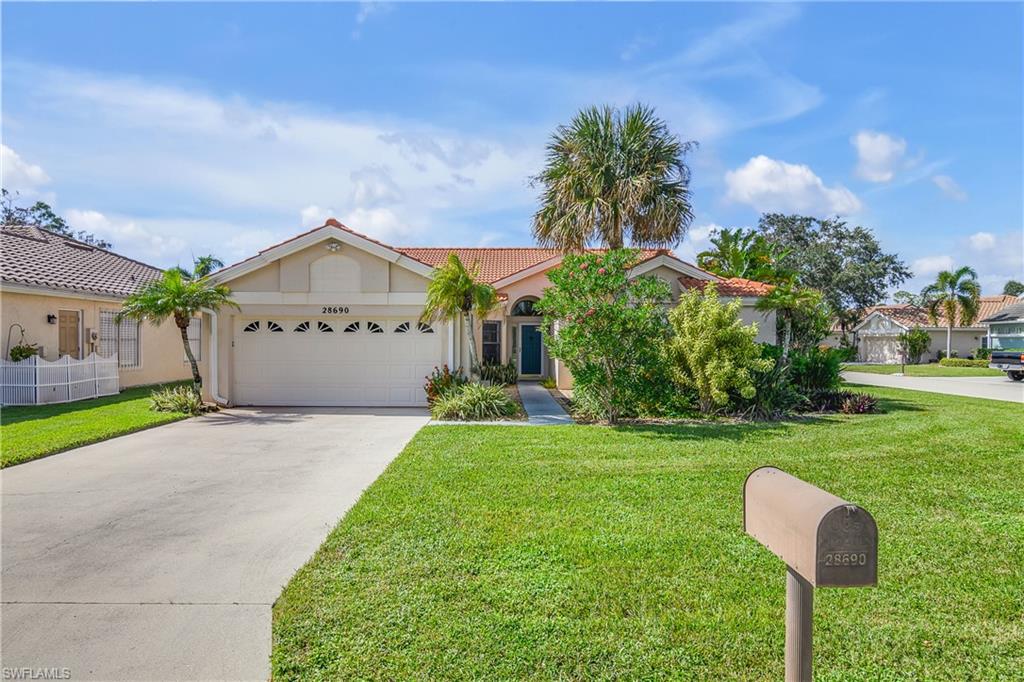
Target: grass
{"type": "Point", "coordinates": [35, 431]}
{"type": "Point", "coordinates": [585, 552]}
{"type": "Point", "coordinates": [931, 370]}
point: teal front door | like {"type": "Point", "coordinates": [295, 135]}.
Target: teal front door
{"type": "Point", "coordinates": [530, 362]}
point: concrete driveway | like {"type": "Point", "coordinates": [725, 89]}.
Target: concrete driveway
{"type": "Point", "coordinates": [993, 388]}
{"type": "Point", "coordinates": [158, 555]}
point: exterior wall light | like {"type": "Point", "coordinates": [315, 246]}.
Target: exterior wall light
{"type": "Point", "coordinates": [51, 318]}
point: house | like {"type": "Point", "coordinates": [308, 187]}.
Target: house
{"type": "Point", "coordinates": [332, 317]}
{"type": "Point", "coordinates": [61, 295]}
{"type": "Point", "coordinates": [1006, 327]}
{"type": "Point", "coordinates": [877, 334]}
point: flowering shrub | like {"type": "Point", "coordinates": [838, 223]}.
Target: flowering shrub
{"type": "Point", "coordinates": [441, 381]}
{"type": "Point", "coordinates": [859, 403]}
{"type": "Point", "coordinates": [609, 330]}
{"type": "Point", "coordinates": [713, 353]}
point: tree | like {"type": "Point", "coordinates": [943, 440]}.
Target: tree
{"type": "Point", "coordinates": [907, 298]}
{"type": "Point", "coordinates": [1013, 288]}
{"type": "Point", "coordinates": [609, 330]}
{"type": "Point", "coordinates": [611, 177]}
{"type": "Point", "coordinates": [181, 298]}
{"type": "Point", "coordinates": [789, 301]}
{"type": "Point", "coordinates": [712, 352]}
{"type": "Point", "coordinates": [454, 292]}
{"type": "Point", "coordinates": [954, 295]}
{"type": "Point", "coordinates": [202, 266]}
{"type": "Point", "coordinates": [914, 344]}
{"type": "Point", "coordinates": [741, 253]}
{"type": "Point", "coordinates": [846, 264]}
{"type": "Point", "coordinates": [42, 216]}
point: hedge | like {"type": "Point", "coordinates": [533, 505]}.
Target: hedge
{"type": "Point", "coordinates": [962, 362]}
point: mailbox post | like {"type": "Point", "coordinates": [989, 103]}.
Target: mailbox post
{"type": "Point", "coordinates": [824, 540]}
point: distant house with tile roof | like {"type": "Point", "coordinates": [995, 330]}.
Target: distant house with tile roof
{"type": "Point", "coordinates": [61, 295]}
{"type": "Point", "coordinates": [877, 334]}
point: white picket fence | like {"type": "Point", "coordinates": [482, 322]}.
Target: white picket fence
{"type": "Point", "coordinates": [35, 381]}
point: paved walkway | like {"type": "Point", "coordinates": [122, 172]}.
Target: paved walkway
{"type": "Point", "coordinates": [158, 555]}
{"type": "Point", "coordinates": [992, 388]}
{"type": "Point", "coordinates": [541, 408]}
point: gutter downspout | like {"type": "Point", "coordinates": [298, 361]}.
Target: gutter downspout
{"type": "Point", "coordinates": [214, 353]}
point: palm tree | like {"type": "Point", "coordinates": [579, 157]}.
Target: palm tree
{"type": "Point", "coordinates": [612, 174]}
{"type": "Point", "coordinates": [788, 300]}
{"type": "Point", "coordinates": [956, 296]}
{"type": "Point", "coordinates": [204, 265]}
{"type": "Point", "coordinates": [175, 295]}
{"type": "Point", "coordinates": [455, 292]}
{"type": "Point", "coordinates": [741, 253]}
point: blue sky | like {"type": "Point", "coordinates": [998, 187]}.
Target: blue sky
{"type": "Point", "coordinates": [174, 129]}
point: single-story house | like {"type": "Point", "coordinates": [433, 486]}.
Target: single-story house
{"type": "Point", "coordinates": [1006, 327]}
{"type": "Point", "coordinates": [332, 317]}
{"type": "Point", "coordinates": [877, 334]}
{"type": "Point", "coordinates": [61, 295]}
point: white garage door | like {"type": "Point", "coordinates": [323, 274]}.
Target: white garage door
{"type": "Point", "coordinates": [334, 361]}
{"type": "Point", "coordinates": [881, 349]}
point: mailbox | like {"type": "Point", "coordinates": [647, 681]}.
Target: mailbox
{"type": "Point", "coordinates": [824, 540]}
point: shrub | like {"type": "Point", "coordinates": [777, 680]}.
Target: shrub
{"type": "Point", "coordinates": [982, 353]}
{"type": "Point", "coordinates": [177, 399]}
{"type": "Point", "coordinates": [610, 330]}
{"type": "Point", "coordinates": [496, 373]}
{"type": "Point", "coordinates": [847, 353]}
{"type": "Point", "coordinates": [775, 395]}
{"type": "Point", "coordinates": [22, 351]}
{"type": "Point", "coordinates": [815, 369]}
{"type": "Point", "coordinates": [442, 381]}
{"type": "Point", "coordinates": [962, 362]}
{"type": "Point", "coordinates": [713, 353]}
{"type": "Point", "coordinates": [549, 383]}
{"type": "Point", "coordinates": [914, 344]}
{"type": "Point", "coordinates": [859, 403]}
{"type": "Point", "coordinates": [474, 402]}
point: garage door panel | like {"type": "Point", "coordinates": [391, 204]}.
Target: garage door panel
{"type": "Point", "coordinates": [318, 367]}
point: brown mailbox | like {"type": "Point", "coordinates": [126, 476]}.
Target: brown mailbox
{"type": "Point", "coordinates": [828, 541]}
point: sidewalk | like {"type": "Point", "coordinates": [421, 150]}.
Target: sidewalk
{"type": "Point", "coordinates": [540, 407]}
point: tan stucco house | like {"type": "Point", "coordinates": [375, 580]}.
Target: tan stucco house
{"type": "Point", "coordinates": [877, 334]}
{"type": "Point", "coordinates": [331, 317]}
{"type": "Point", "coordinates": [61, 295]}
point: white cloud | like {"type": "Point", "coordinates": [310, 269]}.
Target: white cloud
{"type": "Point", "coordinates": [982, 241]}
{"type": "Point", "coordinates": [949, 187]}
{"type": "Point", "coordinates": [929, 265]}
{"type": "Point", "coordinates": [770, 185]}
{"type": "Point", "coordinates": [366, 10]}
{"type": "Point", "coordinates": [698, 238]}
{"type": "Point", "coordinates": [382, 223]}
{"type": "Point", "coordinates": [19, 175]}
{"type": "Point", "coordinates": [879, 155]}
{"type": "Point", "coordinates": [313, 215]}
{"type": "Point", "coordinates": [127, 235]}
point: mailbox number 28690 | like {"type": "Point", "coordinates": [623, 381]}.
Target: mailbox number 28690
{"type": "Point", "coordinates": [846, 558]}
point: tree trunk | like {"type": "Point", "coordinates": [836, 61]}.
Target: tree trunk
{"type": "Point", "coordinates": [786, 327]}
{"type": "Point", "coordinates": [471, 338]}
{"type": "Point", "coordinates": [197, 380]}
{"type": "Point", "coordinates": [949, 340]}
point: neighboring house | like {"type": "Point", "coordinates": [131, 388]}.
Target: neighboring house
{"type": "Point", "coordinates": [63, 294]}
{"type": "Point", "coordinates": [877, 334]}
{"type": "Point", "coordinates": [1006, 327]}
{"type": "Point", "coordinates": [331, 317]}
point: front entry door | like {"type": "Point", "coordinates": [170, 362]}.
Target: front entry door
{"type": "Point", "coordinates": [68, 334]}
{"type": "Point", "coordinates": [530, 363]}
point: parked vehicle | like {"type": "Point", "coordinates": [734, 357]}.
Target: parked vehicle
{"type": "Point", "coordinates": [1009, 361]}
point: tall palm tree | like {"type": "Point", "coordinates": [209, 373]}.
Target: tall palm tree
{"type": "Point", "coordinates": [175, 295]}
{"type": "Point", "coordinates": [611, 175]}
{"type": "Point", "coordinates": [741, 253]}
{"type": "Point", "coordinates": [788, 300]}
{"type": "Point", "coordinates": [956, 296]}
{"type": "Point", "coordinates": [454, 291]}
{"type": "Point", "coordinates": [204, 265]}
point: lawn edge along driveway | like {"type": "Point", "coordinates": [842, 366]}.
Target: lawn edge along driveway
{"type": "Point", "coordinates": [30, 432]}
{"type": "Point", "coordinates": [591, 552]}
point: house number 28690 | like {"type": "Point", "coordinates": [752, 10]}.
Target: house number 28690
{"type": "Point", "coordinates": [334, 310]}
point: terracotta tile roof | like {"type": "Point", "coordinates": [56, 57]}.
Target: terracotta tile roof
{"type": "Point", "coordinates": [732, 286]}
{"type": "Point", "coordinates": [913, 316]}
{"type": "Point", "coordinates": [35, 257]}
{"type": "Point", "coordinates": [497, 263]}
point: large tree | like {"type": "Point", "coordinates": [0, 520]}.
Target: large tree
{"type": "Point", "coordinates": [1013, 288]}
{"type": "Point", "coordinates": [455, 292]}
{"type": "Point", "coordinates": [846, 264]}
{"type": "Point", "coordinates": [614, 177]}
{"type": "Point", "coordinates": [179, 297]}
{"type": "Point", "coordinates": [954, 295]}
{"type": "Point", "coordinates": [741, 253]}
{"type": "Point", "coordinates": [42, 215]}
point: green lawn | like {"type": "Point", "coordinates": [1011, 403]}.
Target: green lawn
{"type": "Point", "coordinates": [585, 552]}
{"type": "Point", "coordinates": [27, 433]}
{"type": "Point", "coordinates": [932, 370]}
